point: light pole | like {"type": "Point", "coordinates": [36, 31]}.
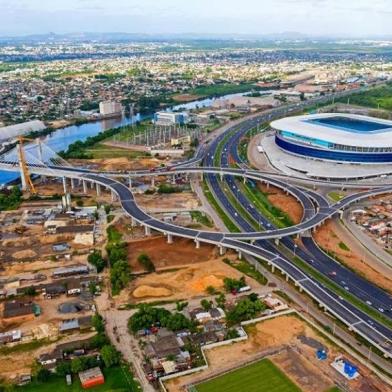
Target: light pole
{"type": "Point", "coordinates": [295, 248]}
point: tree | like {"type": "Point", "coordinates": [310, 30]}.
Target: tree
{"type": "Point", "coordinates": [232, 334]}
{"type": "Point", "coordinates": [95, 258]}
{"type": "Point", "coordinates": [205, 304]}
{"type": "Point", "coordinates": [146, 317]}
{"type": "Point", "coordinates": [220, 300]}
{"type": "Point", "coordinates": [119, 276]}
{"type": "Point", "coordinates": [110, 356]}
{"type": "Point", "coordinates": [63, 368]}
{"type": "Point", "coordinates": [244, 310]}
{"type": "Point", "coordinates": [76, 365]}
{"type": "Point", "coordinates": [97, 323]}
{"type": "Point", "coordinates": [234, 284]}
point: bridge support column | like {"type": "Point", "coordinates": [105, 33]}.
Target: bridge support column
{"type": "Point", "coordinates": [287, 278]}
{"type": "Point", "coordinates": [152, 182]}
{"type": "Point", "coordinates": [65, 185]}
{"type": "Point", "coordinates": [84, 186]}
{"type": "Point", "coordinates": [273, 269]}
{"type": "Point", "coordinates": [222, 250]}
{"type": "Point", "coordinates": [169, 238]}
{"type": "Point", "coordinates": [276, 241]}
{"type": "Point", "coordinates": [173, 179]}
{"type": "Point", "coordinates": [268, 185]}
{"type": "Point", "coordinates": [98, 188]}
{"type": "Point", "coordinates": [147, 231]}
{"type": "Point", "coordinates": [130, 182]}
{"type": "Point", "coordinates": [244, 180]}
{"type": "Point", "coordinates": [72, 183]}
{"type": "Point", "coordinates": [252, 242]}
{"type": "Point", "coordinates": [197, 242]}
{"type": "Point", "coordinates": [221, 176]}
{"type": "Point", "coordinates": [113, 196]}
{"type": "Point", "coordinates": [239, 254]}
{"type": "Point", "coordinates": [341, 214]}
{"type": "Point", "coordinates": [133, 222]}
{"type": "Point", "coordinates": [91, 185]}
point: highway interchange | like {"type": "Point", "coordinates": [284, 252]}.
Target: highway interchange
{"type": "Point", "coordinates": [223, 182]}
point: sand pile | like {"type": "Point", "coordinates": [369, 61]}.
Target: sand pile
{"type": "Point", "coordinates": [145, 291]}
{"type": "Point", "coordinates": [24, 254]}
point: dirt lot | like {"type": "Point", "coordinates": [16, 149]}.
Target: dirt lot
{"type": "Point", "coordinates": [185, 283]}
{"type": "Point", "coordinates": [298, 362]}
{"type": "Point", "coordinates": [327, 238]}
{"type": "Point", "coordinates": [169, 202]}
{"type": "Point", "coordinates": [165, 256]}
{"type": "Point", "coordinates": [286, 203]}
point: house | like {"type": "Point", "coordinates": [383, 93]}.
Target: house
{"type": "Point", "coordinates": [166, 344]}
{"type": "Point", "coordinates": [69, 325]}
{"type": "Point", "coordinates": [77, 269]}
{"type": "Point", "coordinates": [74, 287]}
{"type": "Point", "coordinates": [19, 311]}
{"type": "Point", "coordinates": [49, 360]}
{"type": "Point", "coordinates": [11, 336]}
{"type": "Point", "coordinates": [91, 378]}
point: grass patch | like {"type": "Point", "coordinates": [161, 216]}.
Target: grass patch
{"type": "Point", "coordinates": [202, 218]}
{"type": "Point", "coordinates": [247, 269]}
{"type": "Point", "coordinates": [100, 151]}
{"type": "Point", "coordinates": [260, 376]}
{"type": "Point", "coordinates": [272, 213]}
{"type": "Point", "coordinates": [24, 347]}
{"type": "Point", "coordinates": [117, 379]}
{"type": "Point", "coordinates": [336, 196]}
{"type": "Point", "coordinates": [343, 246]}
{"type": "Point", "coordinates": [221, 89]}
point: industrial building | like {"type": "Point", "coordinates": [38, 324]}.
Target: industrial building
{"type": "Point", "coordinates": [336, 137]}
{"type": "Point", "coordinates": [170, 118]}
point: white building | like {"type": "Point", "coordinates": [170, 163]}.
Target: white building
{"type": "Point", "coordinates": [110, 108]}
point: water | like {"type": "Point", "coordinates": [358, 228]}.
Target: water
{"type": "Point", "coordinates": [60, 139]}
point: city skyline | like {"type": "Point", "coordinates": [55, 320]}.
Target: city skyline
{"type": "Point", "coordinates": [360, 18]}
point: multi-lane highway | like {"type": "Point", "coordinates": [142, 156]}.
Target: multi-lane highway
{"type": "Point", "coordinates": [223, 182]}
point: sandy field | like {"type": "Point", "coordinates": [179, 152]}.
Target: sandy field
{"type": "Point", "coordinates": [185, 283]}
{"type": "Point", "coordinates": [327, 238]}
{"type": "Point", "coordinates": [298, 362]}
{"type": "Point", "coordinates": [286, 203]}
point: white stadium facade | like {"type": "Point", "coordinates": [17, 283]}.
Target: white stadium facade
{"type": "Point", "coordinates": [335, 137]}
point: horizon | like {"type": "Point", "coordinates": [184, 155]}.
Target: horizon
{"type": "Point", "coordinates": [313, 18]}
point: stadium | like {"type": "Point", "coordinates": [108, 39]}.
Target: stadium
{"type": "Point", "coordinates": [336, 137]}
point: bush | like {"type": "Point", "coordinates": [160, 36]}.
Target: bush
{"type": "Point", "coordinates": [119, 276]}
{"type": "Point", "coordinates": [234, 284]}
{"type": "Point", "coordinates": [146, 262]}
{"type": "Point", "coordinates": [110, 356]}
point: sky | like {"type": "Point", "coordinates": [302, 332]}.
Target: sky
{"type": "Point", "coordinates": [360, 18]}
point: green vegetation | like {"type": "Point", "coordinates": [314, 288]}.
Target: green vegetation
{"type": "Point", "coordinates": [120, 271]}
{"type": "Point", "coordinates": [343, 293]}
{"type": "Point", "coordinates": [261, 202]}
{"type": "Point", "coordinates": [334, 389]}
{"type": "Point", "coordinates": [10, 199]}
{"type": "Point", "coordinates": [379, 97]}
{"type": "Point", "coordinates": [343, 246]}
{"type": "Point", "coordinates": [246, 309]}
{"type": "Point", "coordinates": [202, 218]}
{"type": "Point", "coordinates": [101, 151]}
{"type": "Point", "coordinates": [166, 188]}
{"type": "Point", "coordinates": [260, 376]}
{"type": "Point", "coordinates": [226, 220]}
{"type": "Point", "coordinates": [146, 262]}
{"type": "Point", "coordinates": [234, 284]}
{"type": "Point", "coordinates": [336, 196]}
{"type": "Point", "coordinates": [24, 347]}
{"type": "Point", "coordinates": [95, 258]}
{"type": "Point", "coordinates": [216, 90]}
{"type": "Point", "coordinates": [247, 269]}
{"type": "Point", "coordinates": [148, 316]}
{"type": "Point", "coordinates": [117, 379]}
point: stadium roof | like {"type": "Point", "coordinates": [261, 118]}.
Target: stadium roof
{"type": "Point", "coordinates": [307, 126]}
{"type": "Point", "coordinates": [13, 131]}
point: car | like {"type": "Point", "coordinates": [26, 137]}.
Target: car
{"type": "Point", "coordinates": [347, 288]}
{"type": "Point", "coordinates": [369, 303]}
{"type": "Point", "coordinates": [332, 273]}
{"type": "Point", "coordinates": [381, 310]}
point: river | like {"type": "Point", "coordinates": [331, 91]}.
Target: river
{"type": "Point", "coordinates": [60, 139]}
